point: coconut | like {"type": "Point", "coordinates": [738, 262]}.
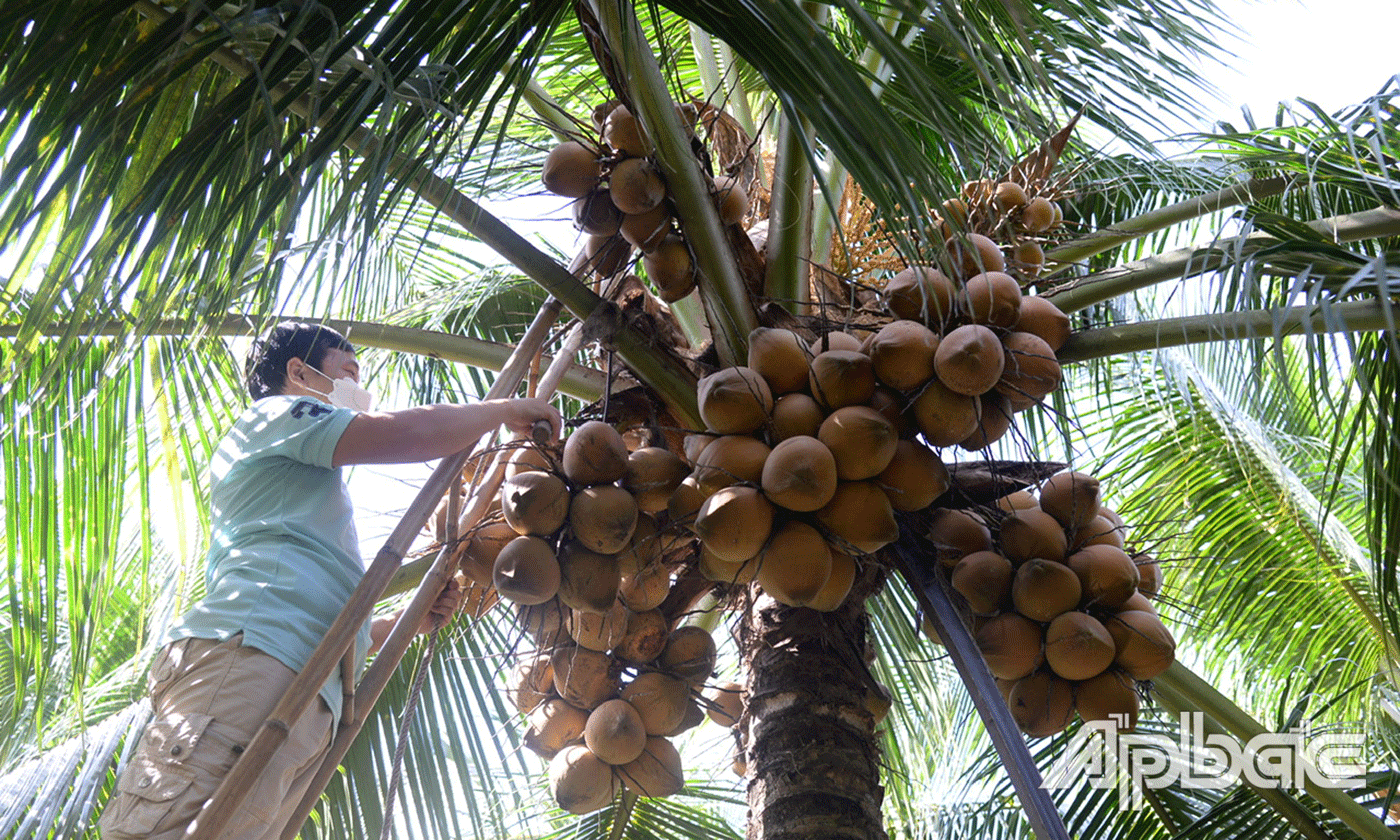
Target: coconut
{"type": "Point", "coordinates": [646, 588]}
{"type": "Point", "coordinates": [955, 534]}
{"type": "Point", "coordinates": [1008, 196]}
{"type": "Point", "coordinates": [795, 564]}
{"type": "Point", "coordinates": [1017, 500]}
{"type": "Point", "coordinates": [694, 716]}
{"type": "Point", "coordinates": [598, 631]}
{"type": "Point", "coordinates": [837, 340]}
{"type": "Point", "coordinates": [732, 202]}
{"type": "Point", "coordinates": [1078, 646]}
{"type": "Point", "coordinates": [780, 357]}
{"type": "Point", "coordinates": [735, 401]}
{"type": "Point", "coordinates": [623, 132]}
{"type": "Point", "coordinates": [799, 474]}
{"type": "Point", "coordinates": [636, 186]}
{"type": "Point", "coordinates": [1107, 574]}
{"type": "Point", "coordinates": [646, 636]}
{"type": "Point", "coordinates": [1027, 258]}
{"type": "Point", "coordinates": [583, 677]}
{"type": "Point", "coordinates": [723, 571]}
{"type": "Point", "coordinates": [975, 253]}
{"type": "Point", "coordinates": [1042, 704]}
{"type": "Point", "coordinates": [1031, 532]}
{"type": "Point", "coordinates": [902, 354]}
{"type": "Point", "coordinates": [595, 454]}
{"type": "Point", "coordinates": [542, 624]}
{"type": "Point", "coordinates": [685, 503]}
{"type": "Point", "coordinates": [943, 416]}
{"type": "Point", "coordinates": [526, 571]}
{"type": "Point", "coordinates": [690, 654]}
{"type": "Point", "coordinates": [527, 457]}
{"type": "Point", "coordinates": [877, 701]}
{"type": "Point", "coordinates": [992, 298]}
{"type": "Point", "coordinates": [571, 169]}
{"type": "Point", "coordinates": [606, 255]}
{"type": "Point", "coordinates": [1072, 498]}
{"type": "Point", "coordinates": [1031, 371]}
{"type": "Point", "coordinates": [1043, 589]}
{"type": "Point", "coordinates": [920, 293]}
{"type": "Point", "coordinates": [534, 503]}
{"type": "Point", "coordinates": [603, 518]}
{"type": "Point", "coordinates": [478, 556]}
{"type": "Point", "coordinates": [795, 414]}
{"type": "Point", "coordinates": [1149, 575]}
{"type": "Point", "coordinates": [1101, 698]}
{"type": "Point", "coordinates": [595, 213]}
{"type": "Point", "coordinates": [1059, 215]}
{"type": "Point", "coordinates": [893, 406]}
{"type": "Point", "coordinates": [588, 580]}
{"type": "Point", "coordinates": [659, 699]}
{"type": "Point", "coordinates": [992, 425]}
{"type": "Point", "coordinates": [729, 460]}
{"type": "Point", "coordinates": [970, 360]}
{"type": "Point", "coordinates": [1098, 532]}
{"type": "Point", "coordinates": [652, 475]}
{"type": "Point", "coordinates": [914, 478]}
{"type": "Point", "coordinates": [1138, 602]}
{"type": "Point", "coordinates": [978, 190]}
{"type": "Point", "coordinates": [859, 518]}
{"type": "Point", "coordinates": [580, 782]}
{"type": "Point", "coordinates": [838, 585]}
{"type": "Point", "coordinates": [725, 703]}
{"type": "Point", "coordinates": [554, 725]}
{"type": "Point", "coordinates": [531, 683]}
{"type": "Point", "coordinates": [670, 268]}
{"type": "Point", "coordinates": [646, 231]}
{"type": "Point", "coordinates": [614, 732]}
{"type": "Point", "coordinates": [840, 378]}
{"type": "Point", "coordinates": [647, 548]}
{"type": "Point", "coordinates": [984, 579]}
{"type": "Point", "coordinates": [1042, 318]}
{"type": "Point", "coordinates": [861, 440]}
{"type": "Point", "coordinates": [1038, 215]}
{"type": "Point", "coordinates": [954, 212]}
{"type": "Point", "coordinates": [656, 772]}
{"type": "Point", "coordinates": [1145, 646]}
{"type": "Point", "coordinates": [1011, 645]}
{"type": "Point", "coordinates": [735, 522]}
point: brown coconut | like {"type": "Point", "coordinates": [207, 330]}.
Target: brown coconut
{"type": "Point", "coordinates": [623, 132]}
{"type": "Point", "coordinates": [1145, 645]}
{"type": "Point", "coordinates": [1008, 196]}
{"type": "Point", "coordinates": [955, 534]}
{"type": "Point", "coordinates": [1107, 574]}
{"type": "Point", "coordinates": [1017, 500]}
{"type": "Point", "coordinates": [943, 416]}
{"type": "Point", "coordinates": [531, 683]}
{"type": "Point", "coordinates": [614, 732]}
{"type": "Point", "coordinates": [554, 725]}
{"type": "Point", "coordinates": [595, 213]}
{"type": "Point", "coordinates": [984, 580]}
{"type": "Point", "coordinates": [606, 255]}
{"type": "Point", "coordinates": [646, 636]}
{"type": "Point", "coordinates": [1043, 318]}
{"type": "Point", "coordinates": [859, 518]}
{"type": "Point", "coordinates": [694, 716]}
{"type": "Point", "coordinates": [1042, 704]}
{"type": "Point", "coordinates": [780, 357]}
{"type": "Point", "coordinates": [1031, 371]}
{"type": "Point", "coordinates": [729, 460]}
{"type": "Point", "coordinates": [795, 564]}
{"type": "Point", "coordinates": [840, 378]}
{"type": "Point", "coordinates": [602, 518]}
{"type": "Point", "coordinates": [659, 698]}
{"type": "Point", "coordinates": [670, 268]}
{"type": "Point", "coordinates": [1043, 589]}
{"type": "Point", "coordinates": [1072, 498]}
{"type": "Point", "coordinates": [527, 457]}
{"type": "Point", "coordinates": [992, 424]}
{"type": "Point", "coordinates": [526, 571]}
{"type": "Point", "coordinates": [795, 414]}
{"type": "Point", "coordinates": [920, 293]}
{"type": "Point", "coordinates": [595, 454]}
{"type": "Point", "coordinates": [902, 354]}
{"type": "Point", "coordinates": [731, 200]}
{"type": "Point", "coordinates": [735, 400]}
{"type": "Point", "coordinates": [723, 571]}
{"type": "Point", "coordinates": [685, 503]}
{"type": "Point", "coordinates": [894, 407]}
{"type": "Point", "coordinates": [588, 580]}
{"type": "Point", "coordinates": [838, 584]}
{"type": "Point", "coordinates": [1038, 215]}
{"type": "Point", "coordinates": [1149, 575]}
{"type": "Point", "coordinates": [970, 360]}
{"type": "Point", "coordinates": [735, 523]}
{"type": "Point", "coordinates": [646, 231]}
{"type": "Point", "coordinates": [835, 340]}
{"type": "Point", "coordinates": [646, 588]}
{"type": "Point", "coordinates": [799, 474]}
{"type": "Point", "coordinates": [1137, 602]}
{"type": "Point", "coordinates": [583, 677]}
{"type": "Point", "coordinates": [915, 476]}
{"type": "Point", "coordinates": [636, 186]}
{"type": "Point", "coordinates": [646, 548]}
{"type": "Point", "coordinates": [1106, 695]}
{"type": "Point", "coordinates": [652, 475]}
{"type": "Point", "coordinates": [724, 703]}
{"type": "Point", "coordinates": [478, 556]}
{"type": "Point", "coordinates": [1031, 532]}
{"type": "Point", "coordinates": [571, 169]}
{"type": "Point", "coordinates": [598, 631]}
{"type": "Point", "coordinates": [656, 772]}
{"type": "Point", "coordinates": [992, 298]}
{"type": "Point", "coordinates": [1011, 645]}
{"type": "Point", "coordinates": [542, 624]}
{"type": "Point", "coordinates": [690, 654]}
{"type": "Point", "coordinates": [975, 254]}
{"type": "Point", "coordinates": [860, 439]}
{"type": "Point", "coordinates": [580, 782]}
{"type": "Point", "coordinates": [1100, 531]}
{"type": "Point", "coordinates": [535, 503]}
{"type": "Point", "coordinates": [1027, 258]}
{"type": "Point", "coordinates": [1078, 646]}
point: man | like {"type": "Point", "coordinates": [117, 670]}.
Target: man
{"type": "Point", "coordinates": [282, 562]}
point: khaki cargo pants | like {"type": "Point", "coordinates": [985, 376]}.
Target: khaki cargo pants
{"type": "Point", "coordinates": [210, 698]}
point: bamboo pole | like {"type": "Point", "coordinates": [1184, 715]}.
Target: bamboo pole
{"type": "Point", "coordinates": [341, 636]}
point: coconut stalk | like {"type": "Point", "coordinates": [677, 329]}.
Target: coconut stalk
{"type": "Point", "coordinates": [723, 293]}
{"type": "Point", "coordinates": [789, 250]}
{"type": "Point", "coordinates": [1346, 316]}
{"type": "Point", "coordinates": [1185, 690]}
{"type": "Point", "coordinates": [1200, 259]}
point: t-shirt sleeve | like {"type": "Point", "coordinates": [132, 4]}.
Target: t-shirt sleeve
{"type": "Point", "coordinates": [300, 428]}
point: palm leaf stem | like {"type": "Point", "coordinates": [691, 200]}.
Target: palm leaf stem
{"type": "Point", "coordinates": [703, 47]}
{"type": "Point", "coordinates": [1106, 239]}
{"type": "Point", "coordinates": [581, 382]}
{"type": "Point", "coordinates": [1346, 316]}
{"type": "Point", "coordinates": [723, 292]}
{"type": "Point", "coordinates": [1199, 259]}
{"type": "Point", "coordinates": [555, 118]}
{"type": "Point", "coordinates": [737, 102]}
{"type": "Point", "coordinates": [1188, 690]}
{"type": "Point", "coordinates": [790, 215]}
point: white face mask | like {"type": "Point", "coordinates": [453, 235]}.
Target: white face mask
{"type": "Point", "coordinates": [346, 393]}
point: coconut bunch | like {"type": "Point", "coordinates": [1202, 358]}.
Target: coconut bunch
{"type": "Point", "coordinates": [620, 200]}
{"type": "Point", "coordinates": [804, 460]}
{"type": "Point", "coordinates": [1060, 607]}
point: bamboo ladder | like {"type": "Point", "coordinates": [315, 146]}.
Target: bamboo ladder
{"type": "Point", "coordinates": [337, 646]}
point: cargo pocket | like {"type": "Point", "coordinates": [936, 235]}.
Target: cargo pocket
{"type": "Point", "coordinates": [157, 790]}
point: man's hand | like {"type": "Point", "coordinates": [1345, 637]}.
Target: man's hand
{"type": "Point", "coordinates": [442, 610]}
{"type": "Point", "coordinates": [521, 415]}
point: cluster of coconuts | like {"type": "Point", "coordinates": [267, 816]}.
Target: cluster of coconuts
{"type": "Point", "coordinates": [1060, 609]}
{"type": "Point", "coordinates": [604, 679]}
{"type": "Point", "coordinates": [804, 460]}
{"type": "Point", "coordinates": [620, 201]}
{"type": "Point", "coordinates": [975, 348]}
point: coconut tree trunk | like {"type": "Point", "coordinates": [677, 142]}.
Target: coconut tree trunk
{"type": "Point", "coordinates": [813, 765]}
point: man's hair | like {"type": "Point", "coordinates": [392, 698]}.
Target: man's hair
{"type": "Point", "coordinates": [266, 368]}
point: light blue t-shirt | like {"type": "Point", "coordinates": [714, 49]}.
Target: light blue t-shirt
{"type": "Point", "coordinates": [283, 554]}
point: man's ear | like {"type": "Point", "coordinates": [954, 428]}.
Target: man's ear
{"type": "Point", "coordinates": [296, 370]}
